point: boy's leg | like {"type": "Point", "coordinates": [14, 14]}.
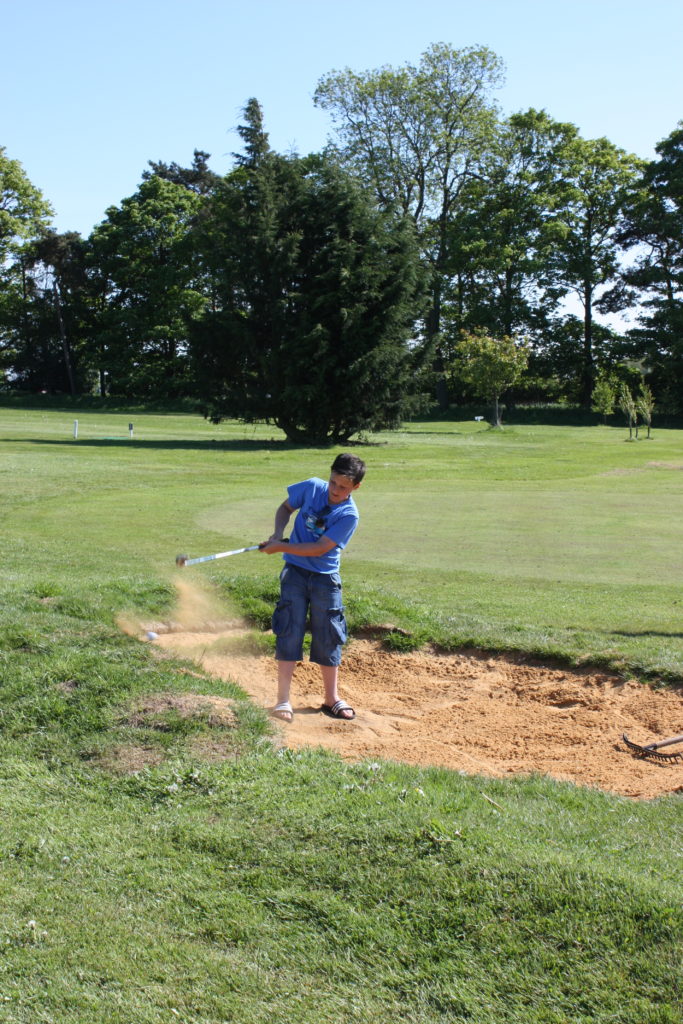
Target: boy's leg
{"type": "Point", "coordinates": [285, 671]}
{"type": "Point", "coordinates": [283, 707]}
{"type": "Point", "coordinates": [289, 622]}
{"type": "Point", "coordinates": [330, 674]}
{"type": "Point", "coordinates": [328, 634]}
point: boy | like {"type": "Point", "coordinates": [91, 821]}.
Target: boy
{"type": "Point", "coordinates": [326, 521]}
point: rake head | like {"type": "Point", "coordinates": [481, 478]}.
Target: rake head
{"type": "Point", "coordinates": [651, 752]}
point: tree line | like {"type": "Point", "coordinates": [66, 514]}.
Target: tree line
{"type": "Point", "coordinates": [339, 292]}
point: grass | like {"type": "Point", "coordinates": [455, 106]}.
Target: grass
{"type": "Point", "coordinates": [275, 886]}
{"type": "Point", "coordinates": [287, 887]}
{"type": "Point", "coordinates": [560, 541]}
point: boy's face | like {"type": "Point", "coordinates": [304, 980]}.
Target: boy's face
{"type": "Point", "coordinates": [339, 488]}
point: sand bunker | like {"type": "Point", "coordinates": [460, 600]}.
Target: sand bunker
{"type": "Point", "coordinates": [496, 716]}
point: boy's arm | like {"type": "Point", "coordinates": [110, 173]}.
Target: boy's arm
{"type": "Point", "coordinates": [314, 550]}
{"type": "Point", "coordinates": [281, 519]}
{"type": "Point", "coordinates": [276, 543]}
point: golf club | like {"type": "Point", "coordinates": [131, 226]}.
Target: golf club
{"type": "Point", "coordinates": [182, 560]}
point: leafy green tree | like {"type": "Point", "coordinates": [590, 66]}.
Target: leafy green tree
{"type": "Point", "coordinates": [654, 226]}
{"type": "Point", "coordinates": [645, 404]}
{"type": "Point", "coordinates": [313, 302]}
{"type": "Point", "coordinates": [628, 406]}
{"type": "Point", "coordinates": [557, 353]}
{"type": "Point", "coordinates": [604, 396]}
{"type": "Point", "coordinates": [149, 284]}
{"type": "Point", "coordinates": [500, 239]}
{"type": "Point", "coordinates": [198, 178]}
{"type": "Point", "coordinates": [24, 215]}
{"type": "Point", "coordinates": [415, 135]}
{"type": "Point", "coordinates": [55, 355]}
{"type": "Point", "coordinates": [597, 183]}
{"type": "Point", "coordinates": [489, 366]}
{"type": "Point", "coordinates": [24, 212]}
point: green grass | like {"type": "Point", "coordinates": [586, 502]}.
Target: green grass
{"type": "Point", "coordinates": [560, 541]}
{"type": "Point", "coordinates": [287, 887]}
{"type": "Point", "coordinates": [294, 887]}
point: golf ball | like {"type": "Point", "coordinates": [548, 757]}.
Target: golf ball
{"type": "Point", "coordinates": [151, 635]}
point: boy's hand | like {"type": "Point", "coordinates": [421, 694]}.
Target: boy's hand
{"type": "Point", "coordinates": [270, 546]}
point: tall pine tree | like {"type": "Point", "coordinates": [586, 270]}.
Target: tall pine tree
{"type": "Point", "coordinates": [314, 297]}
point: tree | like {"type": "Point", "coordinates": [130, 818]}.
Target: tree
{"type": "Point", "coordinates": [503, 229]}
{"type": "Point", "coordinates": [628, 406]}
{"type": "Point", "coordinates": [415, 135]}
{"type": "Point", "coordinates": [56, 354]}
{"type": "Point", "coordinates": [489, 366]}
{"type": "Point", "coordinates": [645, 404]}
{"type": "Point", "coordinates": [314, 297]}
{"type": "Point", "coordinates": [198, 178]}
{"type": "Point", "coordinates": [148, 279]}
{"type": "Point", "coordinates": [24, 213]}
{"type": "Point", "coordinates": [604, 396]}
{"type": "Point", "coordinates": [654, 225]}
{"type": "Point", "coordinates": [590, 198]}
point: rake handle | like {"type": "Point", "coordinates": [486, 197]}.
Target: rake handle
{"type": "Point", "coordinates": [664, 743]}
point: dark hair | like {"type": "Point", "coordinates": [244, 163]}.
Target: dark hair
{"type": "Point", "coordinates": [349, 465]}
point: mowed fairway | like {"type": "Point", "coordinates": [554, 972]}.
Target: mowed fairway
{"type": "Point", "coordinates": [554, 540]}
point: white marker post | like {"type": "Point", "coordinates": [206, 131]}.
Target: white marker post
{"type": "Point", "coordinates": [75, 430]}
{"type": "Point", "coordinates": [130, 430]}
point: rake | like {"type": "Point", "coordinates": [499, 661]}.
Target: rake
{"type": "Point", "coordinates": [652, 749]}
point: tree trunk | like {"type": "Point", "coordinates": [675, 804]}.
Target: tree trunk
{"type": "Point", "coordinates": [507, 304]}
{"type": "Point", "coordinates": [433, 329]}
{"type": "Point", "coordinates": [65, 341]}
{"type": "Point", "coordinates": [588, 369]}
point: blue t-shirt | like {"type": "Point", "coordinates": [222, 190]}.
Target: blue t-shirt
{"type": "Point", "coordinates": [317, 518]}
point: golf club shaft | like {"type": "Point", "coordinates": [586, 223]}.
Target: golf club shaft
{"type": "Point", "coordinates": [221, 554]}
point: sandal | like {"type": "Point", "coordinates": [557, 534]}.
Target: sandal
{"type": "Point", "coordinates": [283, 711]}
{"type": "Point", "coordinates": [335, 710]}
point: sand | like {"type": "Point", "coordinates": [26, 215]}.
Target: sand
{"type": "Point", "coordinates": [494, 716]}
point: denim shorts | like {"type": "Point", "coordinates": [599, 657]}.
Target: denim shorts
{"type": "Point", "coordinates": [301, 590]}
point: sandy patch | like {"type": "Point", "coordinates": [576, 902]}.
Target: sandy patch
{"type": "Point", "coordinates": [128, 759]}
{"type": "Point", "coordinates": [153, 711]}
{"type": "Point", "coordinates": [496, 716]}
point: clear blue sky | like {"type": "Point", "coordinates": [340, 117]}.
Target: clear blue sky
{"type": "Point", "coordinates": [93, 89]}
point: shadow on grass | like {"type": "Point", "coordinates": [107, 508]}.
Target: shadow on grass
{"type": "Point", "coordinates": [642, 632]}
{"type": "Point", "coordinates": [432, 433]}
{"type": "Point", "coordinates": [244, 445]}
{"type": "Point", "coordinates": [280, 444]}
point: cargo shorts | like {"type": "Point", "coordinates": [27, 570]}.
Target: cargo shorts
{"type": "Point", "coordinates": [321, 593]}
